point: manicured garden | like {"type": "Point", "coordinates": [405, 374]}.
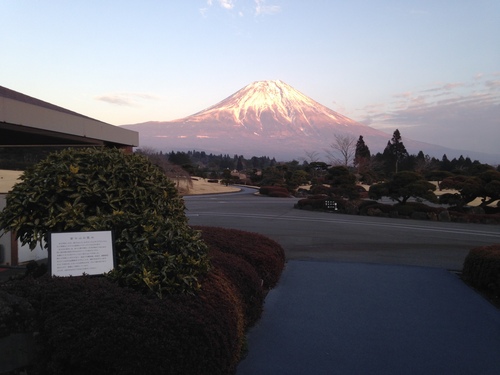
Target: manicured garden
{"type": "Point", "coordinates": [408, 210]}
{"type": "Point", "coordinates": [179, 300]}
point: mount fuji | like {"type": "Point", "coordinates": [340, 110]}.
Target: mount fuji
{"type": "Point", "coordinates": [266, 118]}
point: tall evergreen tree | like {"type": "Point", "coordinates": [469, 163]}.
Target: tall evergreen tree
{"type": "Point", "coordinates": [239, 165]}
{"type": "Point", "coordinates": [396, 150]}
{"type": "Point", "coordinates": [362, 152]}
{"type": "Point", "coordinates": [446, 163]}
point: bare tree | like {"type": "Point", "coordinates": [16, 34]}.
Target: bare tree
{"type": "Point", "coordinates": [172, 171]}
{"type": "Point", "coordinates": [342, 151]}
{"type": "Point", "coordinates": [311, 156]}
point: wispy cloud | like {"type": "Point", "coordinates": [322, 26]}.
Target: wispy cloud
{"type": "Point", "coordinates": [127, 99]}
{"type": "Point", "coordinates": [493, 84]}
{"type": "Point", "coordinates": [262, 8]}
{"type": "Point", "coordinates": [226, 4]}
{"type": "Point", "coordinates": [445, 87]}
{"type": "Point", "coordinates": [457, 115]}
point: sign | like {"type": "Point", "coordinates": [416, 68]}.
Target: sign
{"type": "Point", "coordinates": [78, 253]}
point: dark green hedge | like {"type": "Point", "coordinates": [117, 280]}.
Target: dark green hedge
{"type": "Point", "coordinates": [482, 269]}
{"type": "Point", "coordinates": [92, 325]}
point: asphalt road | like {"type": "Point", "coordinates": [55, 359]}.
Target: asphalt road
{"type": "Point", "coordinates": [351, 301]}
{"type": "Point", "coordinates": [323, 236]}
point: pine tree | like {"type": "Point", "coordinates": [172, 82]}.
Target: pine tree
{"type": "Point", "coordinates": [362, 153]}
{"type": "Point", "coordinates": [396, 150]}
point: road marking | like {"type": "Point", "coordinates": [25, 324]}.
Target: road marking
{"type": "Point", "coordinates": [344, 221]}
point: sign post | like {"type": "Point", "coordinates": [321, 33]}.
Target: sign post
{"type": "Point", "coordinates": [78, 253]}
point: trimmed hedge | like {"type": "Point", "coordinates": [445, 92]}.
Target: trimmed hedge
{"type": "Point", "coordinates": [246, 279]}
{"type": "Point", "coordinates": [274, 191]}
{"type": "Point", "coordinates": [264, 254]}
{"type": "Point", "coordinates": [320, 189]}
{"type": "Point", "coordinates": [482, 269]}
{"type": "Point", "coordinates": [92, 325]}
{"type": "Point", "coordinates": [319, 203]}
{"type": "Point", "coordinates": [411, 210]}
{"type": "Point", "coordinates": [461, 217]}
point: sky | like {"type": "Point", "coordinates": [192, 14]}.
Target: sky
{"type": "Point", "coordinates": [428, 68]}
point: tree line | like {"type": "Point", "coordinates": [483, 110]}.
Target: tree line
{"type": "Point", "coordinates": [394, 173]}
{"type": "Point", "coordinates": [348, 163]}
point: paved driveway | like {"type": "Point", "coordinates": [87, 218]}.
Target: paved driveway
{"type": "Point", "coordinates": [363, 295]}
{"type": "Point", "coordinates": [355, 318]}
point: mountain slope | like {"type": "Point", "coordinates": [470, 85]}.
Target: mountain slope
{"type": "Point", "coordinates": [265, 118]}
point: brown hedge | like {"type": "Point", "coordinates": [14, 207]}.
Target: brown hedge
{"type": "Point", "coordinates": [246, 280]}
{"type": "Point", "coordinates": [279, 194]}
{"type": "Point", "coordinates": [482, 269]}
{"type": "Point", "coordinates": [93, 325]}
{"type": "Point", "coordinates": [90, 325]}
{"type": "Point", "coordinates": [264, 254]}
{"type": "Point", "coordinates": [274, 191]}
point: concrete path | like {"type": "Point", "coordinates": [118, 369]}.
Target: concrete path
{"type": "Point", "coordinates": [355, 318]}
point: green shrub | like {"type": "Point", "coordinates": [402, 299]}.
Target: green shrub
{"type": "Point", "coordinates": [409, 208]}
{"type": "Point", "coordinates": [106, 189]}
{"type": "Point", "coordinates": [91, 325]}
{"type": "Point", "coordinates": [366, 203]}
{"type": "Point", "coordinates": [320, 189]}
{"type": "Point", "coordinates": [482, 269]}
{"type": "Point", "coordinates": [461, 217]}
{"type": "Point", "coordinates": [369, 207]}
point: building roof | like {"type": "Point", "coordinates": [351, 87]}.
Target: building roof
{"type": "Point", "coordinates": [27, 121]}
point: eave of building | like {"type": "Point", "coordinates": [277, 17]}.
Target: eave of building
{"type": "Point", "coordinates": [27, 121]}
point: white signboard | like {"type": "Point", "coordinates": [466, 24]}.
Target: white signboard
{"type": "Point", "coordinates": [78, 253]}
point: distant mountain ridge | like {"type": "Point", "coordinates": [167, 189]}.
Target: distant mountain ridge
{"type": "Point", "coordinates": [266, 118]}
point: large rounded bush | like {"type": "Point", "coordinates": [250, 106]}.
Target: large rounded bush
{"type": "Point", "coordinates": [482, 269]}
{"type": "Point", "coordinates": [105, 189]}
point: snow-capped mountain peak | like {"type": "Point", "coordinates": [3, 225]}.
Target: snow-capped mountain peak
{"type": "Point", "coordinates": [269, 101]}
{"type": "Point", "coordinates": [264, 118]}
